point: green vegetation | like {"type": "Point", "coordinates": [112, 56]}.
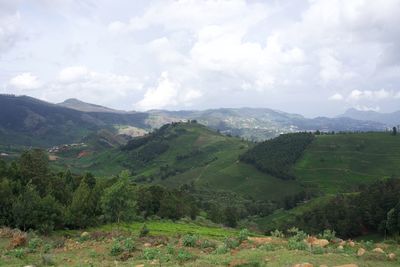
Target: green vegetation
{"type": "Point", "coordinates": [278, 155]}
{"type": "Point", "coordinates": [341, 162]}
{"type": "Point", "coordinates": [103, 246]}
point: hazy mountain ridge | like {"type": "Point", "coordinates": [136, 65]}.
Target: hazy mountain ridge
{"type": "Point", "coordinates": [391, 119]}
{"type": "Point", "coordinates": [28, 121]}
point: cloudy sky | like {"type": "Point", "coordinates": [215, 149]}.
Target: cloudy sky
{"type": "Point", "coordinates": [313, 57]}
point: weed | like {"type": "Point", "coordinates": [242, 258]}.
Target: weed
{"type": "Point", "coordinates": [151, 253]}
{"type": "Point", "coordinates": [328, 234]}
{"type": "Point", "coordinates": [221, 250]}
{"type": "Point", "coordinates": [277, 233]}
{"type": "Point", "coordinates": [231, 243]}
{"type": "Point", "coordinates": [116, 249]}
{"type": "Point", "coordinates": [34, 244]}
{"type": "Point", "coordinates": [207, 244]}
{"type": "Point", "coordinates": [184, 255]}
{"type": "Point", "coordinates": [129, 245]}
{"type": "Point", "coordinates": [189, 240]}
{"type": "Point", "coordinates": [47, 248]}
{"type": "Point", "coordinates": [243, 235]}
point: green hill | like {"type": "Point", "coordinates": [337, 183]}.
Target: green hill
{"type": "Point", "coordinates": [341, 162]}
{"type": "Point", "coordinates": [184, 153]}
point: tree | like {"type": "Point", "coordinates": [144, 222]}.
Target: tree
{"type": "Point", "coordinates": [118, 202]}
{"type": "Point", "coordinates": [394, 132]}
{"type": "Point", "coordinates": [24, 209]}
{"type": "Point", "coordinates": [33, 165]}
{"type": "Point", "coordinates": [83, 209]}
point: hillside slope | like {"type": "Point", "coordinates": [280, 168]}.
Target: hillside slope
{"type": "Point", "coordinates": [32, 122]}
{"type": "Point", "coordinates": [341, 162]}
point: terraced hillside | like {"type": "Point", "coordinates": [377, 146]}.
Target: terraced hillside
{"type": "Point", "coordinates": [182, 153]}
{"type": "Point", "coordinates": [341, 162]}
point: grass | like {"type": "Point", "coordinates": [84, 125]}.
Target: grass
{"type": "Point", "coordinates": [165, 247]}
{"type": "Point", "coordinates": [341, 162]}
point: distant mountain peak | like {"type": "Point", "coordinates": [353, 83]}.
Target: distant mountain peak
{"type": "Point", "coordinates": [74, 103]}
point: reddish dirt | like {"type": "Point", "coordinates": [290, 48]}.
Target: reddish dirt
{"type": "Point", "coordinates": [83, 154]}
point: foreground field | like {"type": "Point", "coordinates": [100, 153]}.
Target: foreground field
{"type": "Point", "coordinates": [187, 244]}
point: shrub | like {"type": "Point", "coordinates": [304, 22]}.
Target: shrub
{"type": "Point", "coordinates": [129, 245]}
{"type": "Point", "coordinates": [151, 253]}
{"type": "Point", "coordinates": [207, 244]}
{"type": "Point", "coordinates": [221, 250]}
{"type": "Point", "coordinates": [328, 234]}
{"type": "Point", "coordinates": [189, 240]}
{"type": "Point", "coordinates": [231, 243]}
{"type": "Point", "coordinates": [18, 253]}
{"type": "Point", "coordinates": [293, 244]}
{"type": "Point", "coordinates": [34, 244]}
{"type": "Point", "coordinates": [47, 248]}
{"type": "Point", "coordinates": [116, 249]}
{"type": "Point", "coordinates": [184, 255]}
{"type": "Point", "coordinates": [170, 249]}
{"type": "Point", "coordinates": [144, 231]}
{"type": "Point", "coordinates": [243, 235]}
{"type": "Point", "coordinates": [277, 233]}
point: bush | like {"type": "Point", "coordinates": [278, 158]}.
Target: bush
{"type": "Point", "coordinates": [34, 244]}
{"type": "Point", "coordinates": [277, 233]}
{"type": "Point", "coordinates": [318, 250]}
{"type": "Point", "coordinates": [231, 243]}
{"type": "Point", "coordinates": [170, 249]}
{"type": "Point", "coordinates": [221, 250]}
{"type": "Point", "coordinates": [129, 245]}
{"type": "Point", "coordinates": [328, 234]}
{"type": "Point", "coordinates": [184, 255]}
{"type": "Point", "coordinates": [207, 244]}
{"type": "Point", "coordinates": [18, 253]}
{"type": "Point", "coordinates": [296, 242]}
{"type": "Point", "coordinates": [151, 253]}
{"type": "Point", "coordinates": [47, 248]}
{"type": "Point", "coordinates": [243, 235]}
{"type": "Point", "coordinates": [189, 240]}
{"type": "Point", "coordinates": [116, 249]}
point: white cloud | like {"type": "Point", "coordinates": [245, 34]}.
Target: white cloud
{"type": "Point", "coordinates": [336, 97]}
{"type": "Point", "coordinates": [367, 108]}
{"type": "Point", "coordinates": [372, 95]}
{"type": "Point", "coordinates": [168, 93]}
{"type": "Point", "coordinates": [73, 74]}
{"type": "Point", "coordinates": [25, 81]}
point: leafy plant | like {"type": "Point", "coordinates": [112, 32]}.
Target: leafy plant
{"type": "Point", "coordinates": [231, 243]}
{"type": "Point", "coordinates": [116, 249]}
{"type": "Point", "coordinates": [129, 245]}
{"type": "Point", "coordinates": [243, 235]}
{"type": "Point", "coordinates": [189, 240]}
{"type": "Point", "coordinates": [151, 253]}
{"type": "Point", "coordinates": [277, 233]}
{"type": "Point", "coordinates": [184, 255]}
{"type": "Point", "coordinates": [328, 234]}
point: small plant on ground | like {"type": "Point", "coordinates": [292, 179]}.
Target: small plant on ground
{"type": "Point", "coordinates": [222, 249]}
{"type": "Point", "coordinates": [277, 233]}
{"type": "Point", "coordinates": [231, 243]}
{"type": "Point", "coordinates": [189, 240]}
{"type": "Point", "coordinates": [296, 241]}
{"type": "Point", "coordinates": [34, 244]}
{"type": "Point", "coordinates": [184, 255]}
{"type": "Point", "coordinates": [328, 234]}
{"type": "Point", "coordinates": [18, 253]}
{"type": "Point", "coordinates": [171, 249]}
{"type": "Point", "coordinates": [129, 245]}
{"type": "Point", "coordinates": [151, 253]}
{"type": "Point", "coordinates": [318, 250]}
{"type": "Point", "coordinates": [205, 243]}
{"type": "Point", "coordinates": [116, 248]}
{"type": "Point", "coordinates": [243, 235]}
{"type": "Point", "coordinates": [144, 231]}
{"type": "Point", "coordinates": [47, 248]}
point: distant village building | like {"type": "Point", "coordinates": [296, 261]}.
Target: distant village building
{"type": "Point", "coordinates": [4, 154]}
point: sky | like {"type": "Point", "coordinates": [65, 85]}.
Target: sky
{"type": "Point", "coordinates": [311, 57]}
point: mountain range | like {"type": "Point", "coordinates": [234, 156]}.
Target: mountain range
{"type": "Point", "coordinates": [28, 121]}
